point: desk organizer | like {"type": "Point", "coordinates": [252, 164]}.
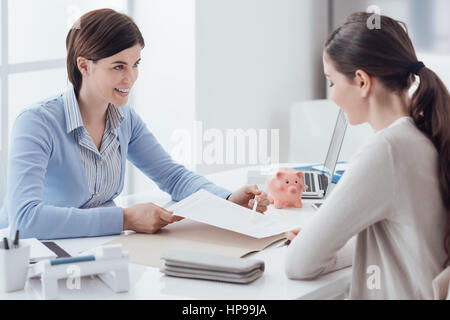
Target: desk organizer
{"type": "Point", "coordinates": [109, 263]}
{"type": "Point", "coordinates": [13, 268]}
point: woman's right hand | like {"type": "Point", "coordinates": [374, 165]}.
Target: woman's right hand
{"type": "Point", "coordinates": [290, 235]}
{"type": "Point", "coordinates": [147, 218]}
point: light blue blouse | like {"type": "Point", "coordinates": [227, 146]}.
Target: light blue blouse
{"type": "Point", "coordinates": [48, 192]}
{"type": "Point", "coordinates": [102, 167]}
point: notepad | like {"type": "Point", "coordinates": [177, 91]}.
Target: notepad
{"type": "Point", "coordinates": [208, 208]}
{"type": "Point", "coordinates": [206, 266]}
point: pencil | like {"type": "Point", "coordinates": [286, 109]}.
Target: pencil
{"type": "Point", "coordinates": [255, 205]}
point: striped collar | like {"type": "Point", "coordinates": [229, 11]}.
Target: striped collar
{"type": "Point", "coordinates": [73, 115]}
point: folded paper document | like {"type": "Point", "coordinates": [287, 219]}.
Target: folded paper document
{"type": "Point", "coordinates": [147, 249]}
{"type": "Point", "coordinates": [205, 207]}
{"type": "Point", "coordinates": [198, 265]}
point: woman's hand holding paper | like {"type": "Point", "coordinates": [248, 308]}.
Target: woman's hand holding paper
{"type": "Point", "coordinates": [147, 218]}
{"type": "Point", "coordinates": [246, 196]}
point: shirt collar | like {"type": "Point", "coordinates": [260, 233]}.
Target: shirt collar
{"type": "Point", "coordinates": [115, 116]}
{"type": "Point", "coordinates": [73, 115]}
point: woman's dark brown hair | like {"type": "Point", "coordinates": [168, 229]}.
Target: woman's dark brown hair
{"type": "Point", "coordinates": [388, 55]}
{"type": "Point", "coordinates": [96, 35]}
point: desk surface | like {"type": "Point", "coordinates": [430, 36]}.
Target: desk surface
{"type": "Point", "coordinates": [150, 283]}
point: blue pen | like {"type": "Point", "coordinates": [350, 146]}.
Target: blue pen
{"type": "Point", "coordinates": [59, 261]}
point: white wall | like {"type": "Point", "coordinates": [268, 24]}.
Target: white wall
{"type": "Point", "coordinates": [164, 95]}
{"type": "Point", "coordinates": [427, 21]}
{"type": "Point", "coordinates": [439, 63]}
{"type": "Point", "coordinates": [254, 59]}
{"type": "Point", "coordinates": [227, 63]}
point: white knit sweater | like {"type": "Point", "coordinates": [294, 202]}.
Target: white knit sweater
{"type": "Point", "coordinates": [389, 198]}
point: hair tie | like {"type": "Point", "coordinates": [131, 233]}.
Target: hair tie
{"type": "Point", "coordinates": [415, 67]}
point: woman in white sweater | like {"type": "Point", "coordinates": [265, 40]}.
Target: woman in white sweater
{"type": "Point", "coordinates": [395, 196]}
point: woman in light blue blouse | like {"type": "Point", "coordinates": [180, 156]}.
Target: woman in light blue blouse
{"type": "Point", "coordinates": [68, 153]}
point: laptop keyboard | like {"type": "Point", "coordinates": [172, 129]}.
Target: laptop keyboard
{"type": "Point", "coordinates": [323, 180]}
{"type": "Point", "coordinates": [308, 179]}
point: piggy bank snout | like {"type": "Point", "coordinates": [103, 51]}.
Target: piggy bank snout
{"type": "Point", "coordinates": [293, 190]}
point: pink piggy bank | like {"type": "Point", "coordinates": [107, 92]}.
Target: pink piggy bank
{"type": "Point", "coordinates": [285, 187]}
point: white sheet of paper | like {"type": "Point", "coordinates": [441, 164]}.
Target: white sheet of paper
{"type": "Point", "coordinates": [208, 208]}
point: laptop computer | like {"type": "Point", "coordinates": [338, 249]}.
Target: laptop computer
{"type": "Point", "coordinates": [318, 178]}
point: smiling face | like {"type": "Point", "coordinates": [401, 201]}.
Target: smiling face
{"type": "Point", "coordinates": [349, 95]}
{"type": "Point", "coordinates": [111, 79]}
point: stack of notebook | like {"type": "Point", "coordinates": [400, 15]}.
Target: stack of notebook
{"type": "Point", "coordinates": [196, 265]}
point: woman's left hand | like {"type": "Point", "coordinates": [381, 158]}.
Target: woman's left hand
{"type": "Point", "coordinates": [246, 196]}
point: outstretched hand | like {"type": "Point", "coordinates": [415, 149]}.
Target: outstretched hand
{"type": "Point", "coordinates": [147, 218]}
{"type": "Point", "coordinates": [290, 235]}
{"type": "Point", "coordinates": [246, 196]}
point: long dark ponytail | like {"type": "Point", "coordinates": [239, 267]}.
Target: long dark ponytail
{"type": "Point", "coordinates": [388, 54]}
{"type": "Point", "coordinates": [430, 110]}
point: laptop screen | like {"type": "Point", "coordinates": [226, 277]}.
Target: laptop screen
{"type": "Point", "coordinates": [336, 143]}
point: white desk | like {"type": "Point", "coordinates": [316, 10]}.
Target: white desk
{"type": "Point", "coordinates": [150, 283]}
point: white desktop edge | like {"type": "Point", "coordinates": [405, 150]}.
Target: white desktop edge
{"type": "Point", "coordinates": [145, 281]}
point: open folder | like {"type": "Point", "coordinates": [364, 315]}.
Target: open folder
{"type": "Point", "coordinates": [188, 234]}
{"type": "Point", "coordinates": [205, 207]}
